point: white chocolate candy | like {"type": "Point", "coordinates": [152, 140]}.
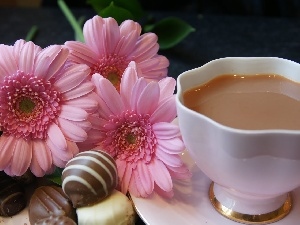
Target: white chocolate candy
{"type": "Point", "coordinates": [116, 209]}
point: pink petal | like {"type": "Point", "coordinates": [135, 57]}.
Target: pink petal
{"type": "Point", "coordinates": [138, 185]}
{"type": "Point", "coordinates": [50, 60]}
{"type": "Point", "coordinates": [161, 175]}
{"type": "Point", "coordinates": [79, 91]}
{"type": "Point", "coordinates": [41, 153]}
{"type": "Point", "coordinates": [73, 113]}
{"type": "Point", "coordinates": [181, 172]}
{"type": "Point", "coordinates": [133, 187]}
{"type": "Point", "coordinates": [165, 130]}
{"type": "Point", "coordinates": [72, 147]}
{"type": "Point", "coordinates": [73, 76]}
{"type": "Point", "coordinates": [27, 57]}
{"type": "Point", "coordinates": [128, 26]}
{"type": "Point", "coordinates": [110, 96]}
{"type": "Point", "coordinates": [165, 112]}
{"type": "Point", "coordinates": [111, 34]}
{"type": "Point", "coordinates": [165, 194]}
{"type": "Point", "coordinates": [7, 146]}
{"type": "Point", "coordinates": [125, 179]}
{"type": "Point", "coordinates": [36, 168]}
{"type": "Point", "coordinates": [7, 60]}
{"type": "Point", "coordinates": [71, 131]}
{"type": "Point", "coordinates": [138, 88]}
{"type": "Point", "coordinates": [168, 159]}
{"type": "Point", "coordinates": [63, 155]}
{"type": "Point", "coordinates": [148, 99]}
{"type": "Point", "coordinates": [22, 157]}
{"type": "Point", "coordinates": [18, 47]}
{"type": "Point", "coordinates": [145, 177]}
{"type": "Point", "coordinates": [171, 146]}
{"type": "Point", "coordinates": [167, 87]}
{"type": "Point", "coordinates": [128, 81]}
{"type": "Point", "coordinates": [57, 138]}
{"type": "Point", "coordinates": [81, 53]}
{"type": "Point", "coordinates": [146, 47]}
{"type": "Point", "coordinates": [88, 103]}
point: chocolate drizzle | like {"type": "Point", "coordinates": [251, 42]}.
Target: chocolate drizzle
{"type": "Point", "coordinates": [89, 177]}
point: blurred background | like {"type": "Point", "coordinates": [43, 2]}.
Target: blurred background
{"type": "Point", "coordinates": [278, 8]}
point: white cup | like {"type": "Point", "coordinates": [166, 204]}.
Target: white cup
{"type": "Point", "coordinates": [252, 171]}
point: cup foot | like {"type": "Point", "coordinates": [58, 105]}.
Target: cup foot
{"type": "Point", "coordinates": [264, 218]}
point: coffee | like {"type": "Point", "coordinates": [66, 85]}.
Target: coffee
{"type": "Point", "coordinates": [252, 102]}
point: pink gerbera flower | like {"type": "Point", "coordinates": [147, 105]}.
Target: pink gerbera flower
{"type": "Point", "coordinates": [109, 48]}
{"type": "Point", "coordinates": [44, 107]}
{"type": "Point", "coordinates": [135, 127]}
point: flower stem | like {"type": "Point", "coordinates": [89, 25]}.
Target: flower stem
{"type": "Point", "coordinates": [31, 33]}
{"type": "Point", "coordinates": [72, 20]}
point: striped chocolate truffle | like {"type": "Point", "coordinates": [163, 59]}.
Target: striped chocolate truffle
{"type": "Point", "coordinates": [89, 177]}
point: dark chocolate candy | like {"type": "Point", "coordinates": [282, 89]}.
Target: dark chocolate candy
{"type": "Point", "coordinates": [12, 196]}
{"type": "Point", "coordinates": [56, 220]}
{"type": "Point", "coordinates": [89, 177]}
{"type": "Point", "coordinates": [49, 201]}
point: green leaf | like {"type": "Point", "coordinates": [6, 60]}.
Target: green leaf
{"type": "Point", "coordinates": [55, 176]}
{"type": "Point", "coordinates": [170, 31]}
{"type": "Point", "coordinates": [132, 6]}
{"type": "Point", "coordinates": [31, 33]}
{"type": "Point", "coordinates": [119, 14]}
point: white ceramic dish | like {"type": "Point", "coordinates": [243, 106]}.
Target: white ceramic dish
{"type": "Point", "coordinates": [191, 204]}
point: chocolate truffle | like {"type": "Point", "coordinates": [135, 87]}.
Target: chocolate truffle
{"type": "Point", "coordinates": [12, 196]}
{"type": "Point", "coordinates": [49, 201]}
{"type": "Point", "coordinates": [89, 177]}
{"type": "Point", "coordinates": [56, 220]}
{"type": "Point", "coordinates": [116, 209]}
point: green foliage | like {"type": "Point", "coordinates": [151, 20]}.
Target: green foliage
{"type": "Point", "coordinates": [133, 7]}
{"type": "Point", "coordinates": [170, 31]}
{"type": "Point", "coordinates": [56, 176]}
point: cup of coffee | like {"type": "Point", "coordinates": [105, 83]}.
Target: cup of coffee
{"type": "Point", "coordinates": [240, 121]}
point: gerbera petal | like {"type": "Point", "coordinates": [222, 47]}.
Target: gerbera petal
{"type": "Point", "coordinates": [56, 153]}
{"type": "Point", "coordinates": [181, 172]}
{"type": "Point", "coordinates": [168, 159]}
{"type": "Point", "coordinates": [165, 112]}
{"type": "Point", "coordinates": [125, 179]}
{"type": "Point", "coordinates": [133, 187]}
{"type": "Point", "coordinates": [73, 113]}
{"type": "Point", "coordinates": [71, 131]}
{"type": "Point", "coordinates": [53, 55]}
{"type": "Point", "coordinates": [93, 34]}
{"type": "Point", "coordinates": [7, 144]}
{"type": "Point", "coordinates": [87, 103]}
{"type": "Point", "coordinates": [36, 168]}
{"type": "Point", "coordinates": [22, 157]}
{"type": "Point", "coordinates": [79, 91]}
{"type": "Point", "coordinates": [111, 34]}
{"type": "Point", "coordinates": [27, 57]}
{"type": "Point", "coordinates": [110, 96]}
{"type": "Point", "coordinates": [41, 153]}
{"type": "Point", "coordinates": [128, 81]}
{"type": "Point", "coordinates": [148, 99]}
{"type": "Point", "coordinates": [7, 60]}
{"type": "Point", "coordinates": [81, 53]}
{"type": "Point", "coordinates": [138, 184]}
{"type": "Point", "coordinates": [73, 76]}
{"type": "Point", "coordinates": [138, 88]}
{"type": "Point", "coordinates": [146, 47]}
{"type": "Point", "coordinates": [161, 175]}
{"type": "Point", "coordinates": [172, 145]}
{"type": "Point", "coordinates": [164, 130]}
{"type": "Point", "coordinates": [128, 26]}
{"type": "Point", "coordinates": [146, 178]}
{"type": "Point", "coordinates": [56, 136]}
{"type": "Point", "coordinates": [18, 47]}
{"type": "Point", "coordinates": [167, 87]}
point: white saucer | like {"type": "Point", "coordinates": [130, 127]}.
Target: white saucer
{"type": "Point", "coordinates": [191, 205]}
